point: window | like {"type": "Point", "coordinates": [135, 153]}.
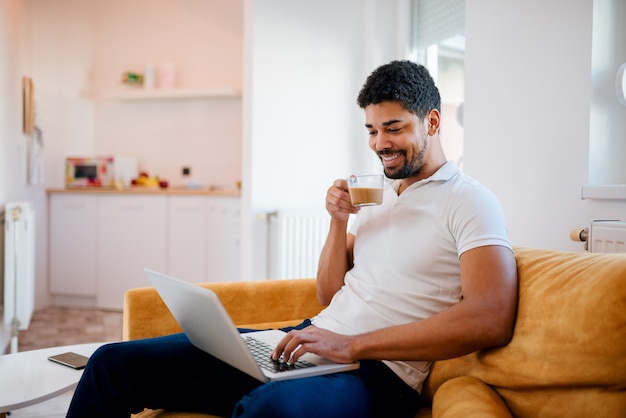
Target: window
{"type": "Point", "coordinates": [438, 42]}
{"type": "Point", "coordinates": [607, 118]}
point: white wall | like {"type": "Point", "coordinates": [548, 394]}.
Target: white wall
{"type": "Point", "coordinates": [300, 104]}
{"type": "Point", "coordinates": [527, 109]}
{"type": "Point", "coordinates": [12, 142]}
{"type": "Point", "coordinates": [6, 82]}
{"type": "Point", "coordinates": [62, 53]}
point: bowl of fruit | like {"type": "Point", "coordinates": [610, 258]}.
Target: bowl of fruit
{"type": "Point", "coordinates": [145, 180]}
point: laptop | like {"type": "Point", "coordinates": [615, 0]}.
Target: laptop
{"type": "Point", "coordinates": [206, 323]}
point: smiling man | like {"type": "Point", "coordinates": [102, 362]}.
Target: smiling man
{"type": "Point", "coordinates": [427, 275]}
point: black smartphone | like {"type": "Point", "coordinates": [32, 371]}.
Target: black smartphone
{"type": "Point", "coordinates": [73, 360]}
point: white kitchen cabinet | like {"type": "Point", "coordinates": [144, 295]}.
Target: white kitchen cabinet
{"type": "Point", "coordinates": [73, 250]}
{"type": "Point", "coordinates": [223, 239]}
{"type": "Point", "coordinates": [131, 236]}
{"type": "Point", "coordinates": [204, 238]}
{"type": "Point", "coordinates": [100, 242]}
{"type": "Point", "coordinates": [187, 240]}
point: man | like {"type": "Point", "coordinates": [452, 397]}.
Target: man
{"type": "Point", "coordinates": [427, 275]}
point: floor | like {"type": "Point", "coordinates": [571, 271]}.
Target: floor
{"type": "Point", "coordinates": [53, 327]}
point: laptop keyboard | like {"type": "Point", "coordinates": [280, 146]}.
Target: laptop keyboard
{"type": "Point", "coordinates": [261, 353]}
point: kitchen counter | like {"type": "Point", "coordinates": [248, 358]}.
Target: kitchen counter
{"type": "Point", "coordinates": [205, 191]}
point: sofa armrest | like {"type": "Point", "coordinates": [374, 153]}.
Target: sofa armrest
{"type": "Point", "coordinates": [250, 304]}
{"type": "Point", "coordinates": [468, 397]}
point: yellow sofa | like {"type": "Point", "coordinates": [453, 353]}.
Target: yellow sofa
{"type": "Point", "coordinates": [567, 357]}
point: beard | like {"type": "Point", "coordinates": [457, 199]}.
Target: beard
{"type": "Point", "coordinates": [409, 168]}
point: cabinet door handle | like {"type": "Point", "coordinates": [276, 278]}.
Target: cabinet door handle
{"type": "Point", "coordinates": [187, 207]}
{"type": "Point", "coordinates": [132, 206]}
{"type": "Point", "coordinates": [74, 205]}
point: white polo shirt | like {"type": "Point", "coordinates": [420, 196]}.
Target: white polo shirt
{"type": "Point", "coordinates": [406, 257]}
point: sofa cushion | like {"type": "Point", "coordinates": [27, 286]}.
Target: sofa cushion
{"type": "Point", "coordinates": [569, 341]}
{"type": "Point", "coordinates": [468, 397]}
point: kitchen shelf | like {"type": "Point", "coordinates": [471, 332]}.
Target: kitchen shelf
{"type": "Point", "coordinates": [170, 94]}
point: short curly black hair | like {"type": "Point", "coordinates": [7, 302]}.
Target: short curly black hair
{"type": "Point", "coordinates": [405, 82]}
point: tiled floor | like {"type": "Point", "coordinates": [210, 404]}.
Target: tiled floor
{"type": "Point", "coordinates": [53, 327]}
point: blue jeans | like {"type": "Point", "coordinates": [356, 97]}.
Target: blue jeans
{"type": "Point", "coordinates": [170, 373]}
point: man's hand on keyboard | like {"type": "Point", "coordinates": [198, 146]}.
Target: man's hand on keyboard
{"type": "Point", "coordinates": [315, 340]}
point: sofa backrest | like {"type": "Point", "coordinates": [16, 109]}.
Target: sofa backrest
{"type": "Point", "coordinates": [567, 356]}
{"type": "Point", "coordinates": [250, 304]}
{"type": "Point", "coordinates": [281, 301]}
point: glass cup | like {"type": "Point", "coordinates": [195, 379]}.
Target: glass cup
{"type": "Point", "coordinates": [366, 190]}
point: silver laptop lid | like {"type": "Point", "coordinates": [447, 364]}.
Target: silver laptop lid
{"type": "Point", "coordinates": [206, 323]}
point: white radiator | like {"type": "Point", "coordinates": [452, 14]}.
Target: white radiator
{"type": "Point", "coordinates": [19, 267]}
{"type": "Point", "coordinates": [296, 238]}
{"type": "Point", "coordinates": [603, 236]}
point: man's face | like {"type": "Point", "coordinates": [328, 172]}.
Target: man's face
{"type": "Point", "coordinates": [398, 137]}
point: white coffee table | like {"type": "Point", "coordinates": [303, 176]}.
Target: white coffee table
{"type": "Point", "coordinates": [28, 377]}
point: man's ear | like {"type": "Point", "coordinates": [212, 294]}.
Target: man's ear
{"type": "Point", "coordinates": [432, 121]}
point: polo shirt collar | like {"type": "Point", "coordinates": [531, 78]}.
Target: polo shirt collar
{"type": "Point", "coordinates": [445, 173]}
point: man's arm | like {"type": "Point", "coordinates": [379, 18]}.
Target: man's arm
{"type": "Point", "coordinates": [484, 318]}
{"type": "Point", "coordinates": [336, 257]}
